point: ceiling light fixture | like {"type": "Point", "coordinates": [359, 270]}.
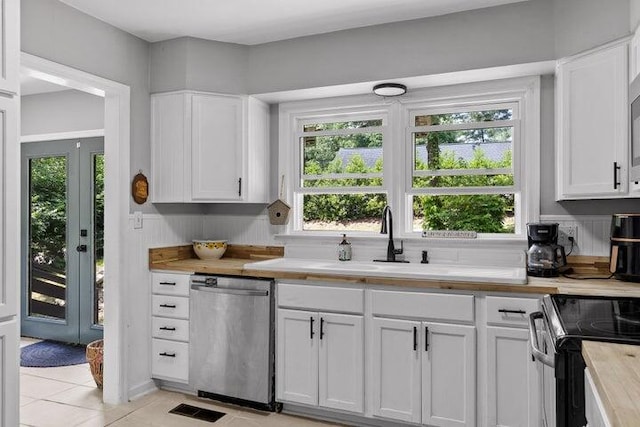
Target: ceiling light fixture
{"type": "Point", "coordinates": [389, 89]}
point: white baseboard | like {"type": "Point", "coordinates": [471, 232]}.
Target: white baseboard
{"type": "Point", "coordinates": [142, 389]}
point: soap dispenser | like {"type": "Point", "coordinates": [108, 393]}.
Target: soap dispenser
{"type": "Point", "coordinates": [344, 249]}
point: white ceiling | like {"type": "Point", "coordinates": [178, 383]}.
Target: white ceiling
{"type": "Point", "coordinates": [260, 21]}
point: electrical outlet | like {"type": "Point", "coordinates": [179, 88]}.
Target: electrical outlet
{"type": "Point", "coordinates": [566, 231]}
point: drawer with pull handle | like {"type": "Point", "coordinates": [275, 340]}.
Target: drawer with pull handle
{"type": "Point", "coordinates": [170, 284]}
{"type": "Point", "coordinates": [170, 360]}
{"type": "Point", "coordinates": [170, 329]}
{"type": "Point", "coordinates": [511, 311]}
{"type": "Point", "coordinates": [170, 306]}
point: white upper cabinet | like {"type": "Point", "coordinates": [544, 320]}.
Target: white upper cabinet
{"type": "Point", "coordinates": [592, 136]}
{"type": "Point", "coordinates": [209, 148]}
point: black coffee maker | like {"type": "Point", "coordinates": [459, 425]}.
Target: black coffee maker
{"type": "Point", "coordinates": [545, 258]}
{"type": "Point", "coordinates": [625, 247]}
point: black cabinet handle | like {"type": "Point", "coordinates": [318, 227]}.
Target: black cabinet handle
{"type": "Point", "coordinates": [616, 168]}
{"type": "Point", "coordinates": [426, 338]}
{"type": "Point", "coordinates": [168, 305]}
{"type": "Point", "coordinates": [311, 327]}
{"type": "Point", "coordinates": [504, 310]}
{"type": "Point", "coordinates": [166, 328]}
{"type": "Point", "coordinates": [165, 354]}
{"type": "Point", "coordinates": [321, 327]}
{"type": "Point", "coordinates": [239, 187]}
{"type": "Point", "coordinates": [415, 338]}
{"type": "Point", "coordinates": [168, 283]}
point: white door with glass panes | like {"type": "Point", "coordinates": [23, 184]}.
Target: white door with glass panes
{"type": "Point", "coordinates": [509, 368]}
{"type": "Point", "coordinates": [341, 362]}
{"type": "Point", "coordinates": [63, 240]}
{"type": "Point", "coordinates": [297, 361]}
{"type": "Point", "coordinates": [396, 359]}
{"type": "Point", "coordinates": [448, 375]}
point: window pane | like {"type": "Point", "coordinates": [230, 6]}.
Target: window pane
{"type": "Point", "coordinates": [343, 182]}
{"type": "Point", "coordinates": [317, 127]}
{"type": "Point", "coordinates": [352, 212]}
{"type": "Point", "coordinates": [453, 181]}
{"type": "Point", "coordinates": [464, 117]}
{"type": "Point", "coordinates": [98, 235]}
{"type": "Point", "coordinates": [357, 153]}
{"type": "Point", "coordinates": [47, 260]}
{"type": "Point", "coordinates": [463, 149]}
{"type": "Point", "coordinates": [484, 213]}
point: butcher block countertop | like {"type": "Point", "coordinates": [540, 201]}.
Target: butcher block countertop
{"type": "Point", "coordinates": [615, 369]}
{"type": "Point", "coordinates": [182, 258]}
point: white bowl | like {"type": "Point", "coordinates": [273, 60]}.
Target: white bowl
{"type": "Point", "coordinates": [209, 249]}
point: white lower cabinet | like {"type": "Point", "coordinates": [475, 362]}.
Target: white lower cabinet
{"type": "Point", "coordinates": [170, 327]}
{"type": "Point", "coordinates": [320, 359]}
{"type": "Point", "coordinates": [593, 406]}
{"type": "Point", "coordinates": [513, 384]}
{"type": "Point", "coordinates": [424, 372]}
{"type": "Point", "coordinates": [396, 370]}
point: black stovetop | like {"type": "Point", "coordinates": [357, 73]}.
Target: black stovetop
{"type": "Point", "coordinates": [613, 319]}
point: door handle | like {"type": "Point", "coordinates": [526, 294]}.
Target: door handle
{"type": "Point", "coordinates": [311, 327]}
{"type": "Point", "coordinates": [415, 338]}
{"type": "Point", "coordinates": [166, 328]}
{"type": "Point", "coordinates": [168, 305]}
{"type": "Point", "coordinates": [165, 354]}
{"type": "Point", "coordinates": [616, 168]}
{"type": "Point", "coordinates": [81, 248]}
{"type": "Point", "coordinates": [505, 311]}
{"type": "Point", "coordinates": [426, 338]}
{"type": "Point", "coordinates": [321, 327]}
{"type": "Point", "coordinates": [536, 353]}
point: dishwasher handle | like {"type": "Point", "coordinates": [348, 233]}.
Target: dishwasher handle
{"type": "Point", "coordinates": [533, 338]}
{"type": "Point", "coordinates": [230, 291]}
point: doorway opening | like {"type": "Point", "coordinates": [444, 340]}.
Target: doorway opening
{"type": "Point", "coordinates": [116, 133]}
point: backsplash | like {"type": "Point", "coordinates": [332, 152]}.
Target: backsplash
{"type": "Point", "coordinates": [241, 229]}
{"type": "Point", "coordinates": [593, 232]}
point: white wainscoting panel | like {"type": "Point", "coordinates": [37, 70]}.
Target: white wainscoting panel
{"type": "Point", "coordinates": [241, 229]}
{"type": "Point", "coordinates": [157, 231]}
{"type": "Point", "coordinates": [593, 232]}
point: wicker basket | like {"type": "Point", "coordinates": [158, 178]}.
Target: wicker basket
{"type": "Point", "coordinates": [95, 355]}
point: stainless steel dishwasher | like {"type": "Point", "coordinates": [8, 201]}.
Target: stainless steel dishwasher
{"type": "Point", "coordinates": [232, 340]}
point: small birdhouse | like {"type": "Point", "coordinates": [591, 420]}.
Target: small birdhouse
{"type": "Point", "coordinates": [278, 212]}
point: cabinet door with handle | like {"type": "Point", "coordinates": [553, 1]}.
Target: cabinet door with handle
{"type": "Point", "coordinates": [341, 370]}
{"type": "Point", "coordinates": [297, 357]}
{"type": "Point", "coordinates": [217, 148]}
{"type": "Point", "coordinates": [448, 375]}
{"type": "Point", "coordinates": [592, 125]}
{"type": "Point", "coordinates": [396, 369]}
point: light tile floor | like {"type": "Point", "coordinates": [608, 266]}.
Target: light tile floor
{"type": "Point", "coordinates": [67, 396]}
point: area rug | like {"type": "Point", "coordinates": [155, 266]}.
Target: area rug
{"type": "Point", "coordinates": [46, 354]}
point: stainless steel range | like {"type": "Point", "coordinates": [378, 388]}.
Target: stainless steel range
{"type": "Point", "coordinates": [567, 320]}
{"type": "Point", "coordinates": [232, 340]}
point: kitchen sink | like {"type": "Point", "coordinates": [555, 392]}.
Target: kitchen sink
{"type": "Point", "coordinates": [458, 273]}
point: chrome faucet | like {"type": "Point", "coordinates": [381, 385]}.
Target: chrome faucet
{"type": "Point", "coordinates": [387, 228]}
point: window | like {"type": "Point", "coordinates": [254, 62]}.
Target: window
{"type": "Point", "coordinates": [463, 157]}
{"type": "Point", "coordinates": [462, 168]}
{"type": "Point", "coordinates": [341, 162]}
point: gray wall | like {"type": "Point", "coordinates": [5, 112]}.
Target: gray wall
{"type": "Point", "coordinates": [65, 111]}
{"type": "Point", "coordinates": [503, 35]}
{"type": "Point", "coordinates": [583, 24]}
{"type": "Point", "coordinates": [57, 32]}
{"type": "Point", "coordinates": [190, 63]}
{"type": "Point", "coordinates": [634, 14]}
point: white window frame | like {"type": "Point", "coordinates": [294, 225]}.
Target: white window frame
{"type": "Point", "coordinates": [486, 104]}
{"type": "Point", "coordinates": [521, 91]}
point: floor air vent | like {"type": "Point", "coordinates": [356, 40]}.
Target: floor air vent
{"type": "Point", "coordinates": [197, 413]}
